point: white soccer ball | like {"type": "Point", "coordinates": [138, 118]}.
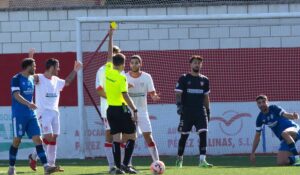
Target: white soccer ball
{"type": "Point", "coordinates": [158, 167]}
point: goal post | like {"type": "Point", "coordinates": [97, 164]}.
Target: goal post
{"type": "Point", "coordinates": [236, 135]}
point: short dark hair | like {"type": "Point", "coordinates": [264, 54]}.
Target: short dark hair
{"type": "Point", "coordinates": [116, 49]}
{"type": "Point", "coordinates": [118, 59]}
{"type": "Point", "coordinates": [261, 97]}
{"type": "Point", "coordinates": [51, 62]}
{"type": "Point", "coordinates": [27, 62]}
{"type": "Point", "coordinates": [136, 57]}
{"type": "Point", "coordinates": [196, 57]}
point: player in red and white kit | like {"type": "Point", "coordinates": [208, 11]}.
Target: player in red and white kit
{"type": "Point", "coordinates": [48, 88]}
{"type": "Point", "coordinates": [142, 85]}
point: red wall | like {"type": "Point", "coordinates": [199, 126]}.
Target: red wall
{"type": "Point", "coordinates": [11, 65]}
{"type": "Point", "coordinates": [235, 74]}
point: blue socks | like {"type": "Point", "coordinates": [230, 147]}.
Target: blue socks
{"type": "Point", "coordinates": [12, 155]}
{"type": "Point", "coordinates": [41, 153]}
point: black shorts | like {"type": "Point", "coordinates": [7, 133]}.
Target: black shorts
{"type": "Point", "coordinates": [119, 120]}
{"type": "Point", "coordinates": [193, 118]}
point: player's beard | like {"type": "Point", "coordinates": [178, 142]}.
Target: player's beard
{"type": "Point", "coordinates": [264, 109]}
{"type": "Point", "coordinates": [31, 72]}
{"type": "Point", "coordinates": [196, 70]}
{"type": "Point", "coordinates": [135, 70]}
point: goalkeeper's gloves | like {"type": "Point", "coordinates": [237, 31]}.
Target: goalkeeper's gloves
{"type": "Point", "coordinates": [208, 114]}
{"type": "Point", "coordinates": [179, 108]}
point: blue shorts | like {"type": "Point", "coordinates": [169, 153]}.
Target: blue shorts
{"type": "Point", "coordinates": [28, 125]}
{"type": "Point", "coordinates": [284, 146]}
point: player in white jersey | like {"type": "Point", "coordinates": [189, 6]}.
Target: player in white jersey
{"type": "Point", "coordinates": [100, 81]}
{"type": "Point", "coordinates": [142, 85]}
{"type": "Point", "coordinates": [48, 88]}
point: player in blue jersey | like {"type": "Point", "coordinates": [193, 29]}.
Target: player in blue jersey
{"type": "Point", "coordinates": [280, 122]}
{"type": "Point", "coordinates": [23, 116]}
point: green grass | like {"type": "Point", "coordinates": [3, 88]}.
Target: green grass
{"type": "Point", "coordinates": [224, 165]}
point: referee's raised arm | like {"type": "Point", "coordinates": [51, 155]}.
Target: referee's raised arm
{"type": "Point", "coordinates": [110, 45]}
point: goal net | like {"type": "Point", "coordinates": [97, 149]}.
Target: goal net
{"type": "Point", "coordinates": [244, 56]}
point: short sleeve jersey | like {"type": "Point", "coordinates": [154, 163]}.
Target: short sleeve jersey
{"type": "Point", "coordinates": [274, 120]}
{"type": "Point", "coordinates": [25, 86]}
{"type": "Point", "coordinates": [47, 93]}
{"type": "Point", "coordinates": [115, 85]}
{"type": "Point", "coordinates": [193, 89]}
{"type": "Point", "coordinates": [142, 85]}
{"type": "Point", "coordinates": [100, 83]}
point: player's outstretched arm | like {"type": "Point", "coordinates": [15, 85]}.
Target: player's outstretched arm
{"type": "Point", "coordinates": [254, 146]}
{"type": "Point", "coordinates": [292, 116]}
{"type": "Point", "coordinates": [72, 75]}
{"type": "Point", "coordinates": [110, 45]}
{"type": "Point", "coordinates": [31, 52]}
{"type": "Point", "coordinates": [23, 101]}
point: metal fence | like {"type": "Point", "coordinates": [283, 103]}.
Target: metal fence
{"type": "Point", "coordinates": [67, 4]}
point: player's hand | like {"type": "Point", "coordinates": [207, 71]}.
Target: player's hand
{"type": "Point", "coordinates": [134, 117]}
{"type": "Point", "coordinates": [31, 52]}
{"type": "Point", "coordinates": [36, 79]}
{"type": "Point", "coordinates": [179, 109]}
{"type": "Point", "coordinates": [155, 97]}
{"type": "Point", "coordinates": [77, 66]}
{"type": "Point", "coordinates": [295, 116]}
{"type": "Point", "coordinates": [252, 158]}
{"type": "Point", "coordinates": [111, 31]}
{"type": "Point", "coordinates": [32, 106]}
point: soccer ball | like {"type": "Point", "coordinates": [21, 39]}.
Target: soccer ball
{"type": "Point", "coordinates": [158, 167]}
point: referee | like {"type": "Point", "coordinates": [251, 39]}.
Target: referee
{"type": "Point", "coordinates": [120, 118]}
{"type": "Point", "coordinates": [192, 99]}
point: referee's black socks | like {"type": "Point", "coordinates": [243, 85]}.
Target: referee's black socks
{"type": "Point", "coordinates": [128, 151]}
{"type": "Point", "coordinates": [117, 154]}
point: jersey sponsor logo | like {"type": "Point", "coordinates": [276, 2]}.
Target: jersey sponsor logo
{"type": "Point", "coordinates": [272, 124]}
{"type": "Point", "coordinates": [51, 95]}
{"type": "Point", "coordinates": [28, 91]}
{"type": "Point", "coordinates": [231, 122]}
{"type": "Point", "coordinates": [195, 91]}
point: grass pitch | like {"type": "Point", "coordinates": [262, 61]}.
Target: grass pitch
{"type": "Point", "coordinates": [223, 165]}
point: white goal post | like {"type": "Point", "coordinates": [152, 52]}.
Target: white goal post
{"type": "Point", "coordinates": [217, 18]}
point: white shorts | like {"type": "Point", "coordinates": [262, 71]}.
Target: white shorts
{"type": "Point", "coordinates": [105, 121]}
{"type": "Point", "coordinates": [49, 121]}
{"type": "Point", "coordinates": [143, 123]}
{"type": "Point", "coordinates": [106, 125]}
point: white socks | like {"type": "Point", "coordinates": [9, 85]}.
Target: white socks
{"type": "Point", "coordinates": [109, 154]}
{"type": "Point", "coordinates": [51, 153]}
{"type": "Point", "coordinates": [153, 151]}
{"type": "Point", "coordinates": [202, 158]}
